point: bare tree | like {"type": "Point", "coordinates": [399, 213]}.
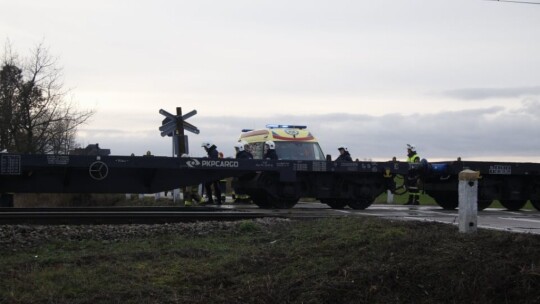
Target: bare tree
{"type": "Point", "coordinates": [10, 78]}
{"type": "Point", "coordinates": [34, 114]}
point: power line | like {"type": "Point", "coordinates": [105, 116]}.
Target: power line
{"type": "Point", "coordinates": [521, 2]}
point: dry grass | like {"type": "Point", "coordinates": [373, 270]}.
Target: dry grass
{"type": "Point", "coordinates": [346, 260]}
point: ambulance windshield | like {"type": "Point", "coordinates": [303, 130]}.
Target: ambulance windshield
{"type": "Point", "coordinates": [293, 150]}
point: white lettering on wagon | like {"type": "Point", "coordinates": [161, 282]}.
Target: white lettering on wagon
{"type": "Point", "coordinates": [500, 169]}
{"type": "Point", "coordinates": [220, 163]}
{"type": "Point", "coordinates": [192, 163]}
{"type": "Point", "coordinates": [57, 160]}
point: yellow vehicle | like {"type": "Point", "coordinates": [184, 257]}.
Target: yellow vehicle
{"type": "Point", "coordinates": [292, 142]}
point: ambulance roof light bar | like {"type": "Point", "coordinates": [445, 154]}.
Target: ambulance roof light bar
{"type": "Point", "coordinates": [276, 126]}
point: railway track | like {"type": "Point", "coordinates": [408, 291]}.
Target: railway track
{"type": "Point", "coordinates": [123, 215]}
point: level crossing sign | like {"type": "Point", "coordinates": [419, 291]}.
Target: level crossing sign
{"type": "Point", "coordinates": [171, 122]}
{"type": "Point", "coordinates": [174, 126]}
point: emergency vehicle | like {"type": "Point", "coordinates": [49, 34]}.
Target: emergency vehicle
{"type": "Point", "coordinates": [293, 142]}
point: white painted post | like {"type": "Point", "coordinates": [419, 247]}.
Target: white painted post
{"type": "Point", "coordinates": [389, 197]}
{"type": "Point", "coordinates": [468, 205]}
{"type": "Point", "coordinates": [157, 196]}
{"type": "Point", "coordinates": [128, 196]}
{"type": "Point", "coordinates": [141, 196]}
{"type": "Point", "coordinates": [176, 196]}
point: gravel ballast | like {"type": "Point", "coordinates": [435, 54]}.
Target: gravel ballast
{"type": "Point", "coordinates": [15, 237]}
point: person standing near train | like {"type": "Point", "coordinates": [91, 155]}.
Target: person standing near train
{"type": "Point", "coordinates": [412, 177]}
{"type": "Point", "coordinates": [212, 152]}
{"type": "Point", "coordinates": [344, 154]}
{"type": "Point", "coordinates": [241, 152]}
{"type": "Point", "coordinates": [270, 150]}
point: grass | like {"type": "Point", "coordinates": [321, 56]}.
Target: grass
{"type": "Point", "coordinates": [346, 260]}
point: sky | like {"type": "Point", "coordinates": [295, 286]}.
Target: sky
{"type": "Point", "coordinates": [456, 78]}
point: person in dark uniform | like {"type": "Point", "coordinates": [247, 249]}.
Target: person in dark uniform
{"type": "Point", "coordinates": [412, 177]}
{"type": "Point", "coordinates": [212, 152]}
{"type": "Point", "coordinates": [270, 150]}
{"type": "Point", "coordinates": [344, 154]}
{"type": "Point", "coordinates": [241, 151]}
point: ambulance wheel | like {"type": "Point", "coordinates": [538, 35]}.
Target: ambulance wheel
{"type": "Point", "coordinates": [536, 204]}
{"type": "Point", "coordinates": [360, 204]}
{"type": "Point", "coordinates": [335, 203]}
{"type": "Point", "coordinates": [513, 205]}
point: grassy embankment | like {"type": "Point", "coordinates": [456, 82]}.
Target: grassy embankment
{"type": "Point", "coordinates": [347, 260]}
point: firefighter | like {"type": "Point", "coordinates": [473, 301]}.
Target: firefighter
{"type": "Point", "coordinates": [270, 150]}
{"type": "Point", "coordinates": [213, 153]}
{"type": "Point", "coordinates": [412, 177]}
{"type": "Point", "coordinates": [241, 152]}
{"type": "Point", "coordinates": [191, 193]}
{"type": "Point", "coordinates": [344, 154]}
{"type": "Point", "coordinates": [223, 183]}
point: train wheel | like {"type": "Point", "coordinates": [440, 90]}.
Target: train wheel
{"type": "Point", "coordinates": [6, 200]}
{"type": "Point", "coordinates": [483, 204]}
{"type": "Point", "coordinates": [360, 204]}
{"type": "Point", "coordinates": [536, 204]}
{"type": "Point", "coordinates": [447, 200]}
{"type": "Point", "coordinates": [335, 203]}
{"type": "Point", "coordinates": [513, 205]}
{"type": "Point", "coordinates": [281, 203]}
{"type": "Point", "coordinates": [261, 200]}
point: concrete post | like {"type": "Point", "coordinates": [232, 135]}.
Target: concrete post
{"type": "Point", "coordinates": [468, 196]}
{"type": "Point", "coordinates": [176, 196]}
{"type": "Point", "coordinates": [389, 197]}
{"type": "Point", "coordinates": [157, 195]}
{"type": "Point", "coordinates": [128, 196]}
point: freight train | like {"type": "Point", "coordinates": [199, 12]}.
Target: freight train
{"type": "Point", "coordinates": [301, 171]}
{"type": "Point", "coordinates": [280, 183]}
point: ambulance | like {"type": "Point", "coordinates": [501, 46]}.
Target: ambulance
{"type": "Point", "coordinates": [293, 142]}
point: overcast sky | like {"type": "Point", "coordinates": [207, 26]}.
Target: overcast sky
{"type": "Point", "coordinates": [454, 77]}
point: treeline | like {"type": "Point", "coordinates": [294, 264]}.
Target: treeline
{"type": "Point", "coordinates": [35, 113]}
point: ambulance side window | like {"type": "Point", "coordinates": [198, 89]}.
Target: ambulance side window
{"type": "Point", "coordinates": [257, 150]}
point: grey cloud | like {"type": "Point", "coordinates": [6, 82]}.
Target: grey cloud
{"type": "Point", "coordinates": [494, 133]}
{"type": "Point", "coordinates": [485, 93]}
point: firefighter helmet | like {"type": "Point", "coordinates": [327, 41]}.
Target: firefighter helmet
{"type": "Point", "coordinates": [271, 145]}
{"type": "Point", "coordinates": [239, 146]}
{"type": "Point", "coordinates": [207, 145]}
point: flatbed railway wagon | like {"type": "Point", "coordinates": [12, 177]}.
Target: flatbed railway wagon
{"type": "Point", "coordinates": [280, 183]}
{"type": "Point", "coordinates": [511, 183]}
